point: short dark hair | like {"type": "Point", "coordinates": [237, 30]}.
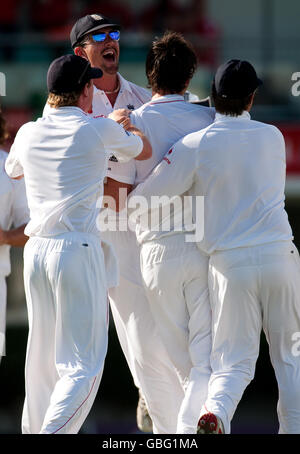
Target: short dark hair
{"type": "Point", "coordinates": [84, 41]}
{"type": "Point", "coordinates": [171, 62]}
{"type": "Point", "coordinates": [230, 106]}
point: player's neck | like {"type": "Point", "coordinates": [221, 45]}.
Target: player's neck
{"type": "Point", "coordinates": [164, 93]}
{"type": "Point", "coordinates": [109, 83]}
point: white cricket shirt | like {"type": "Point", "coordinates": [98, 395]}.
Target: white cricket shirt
{"type": "Point", "coordinates": [130, 97]}
{"type": "Point", "coordinates": [63, 157]}
{"type": "Point", "coordinates": [239, 166]}
{"type": "Point", "coordinates": [14, 209]}
{"type": "Point", "coordinates": [165, 120]}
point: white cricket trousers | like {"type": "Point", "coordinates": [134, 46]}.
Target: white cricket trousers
{"type": "Point", "coordinates": [3, 296]}
{"type": "Point", "coordinates": [147, 358]}
{"type": "Point", "coordinates": [251, 289]}
{"type": "Point", "coordinates": [175, 275]}
{"type": "Point", "coordinates": [66, 294]}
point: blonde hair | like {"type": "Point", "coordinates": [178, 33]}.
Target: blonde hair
{"type": "Point", "coordinates": [65, 99]}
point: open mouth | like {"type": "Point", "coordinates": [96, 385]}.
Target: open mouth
{"type": "Point", "coordinates": [109, 55]}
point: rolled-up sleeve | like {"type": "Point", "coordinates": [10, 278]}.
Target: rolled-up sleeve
{"type": "Point", "coordinates": [173, 176]}
{"type": "Point", "coordinates": [117, 141]}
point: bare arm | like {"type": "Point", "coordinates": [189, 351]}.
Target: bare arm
{"type": "Point", "coordinates": [146, 153]}
{"type": "Point", "coordinates": [122, 116]}
{"type": "Point", "coordinates": [13, 237]}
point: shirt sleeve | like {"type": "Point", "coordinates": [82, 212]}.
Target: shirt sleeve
{"type": "Point", "coordinates": [20, 210]}
{"type": "Point", "coordinates": [173, 176]}
{"type": "Point", "coordinates": [47, 109]}
{"type": "Point", "coordinates": [117, 142]}
{"type": "Point", "coordinates": [13, 166]}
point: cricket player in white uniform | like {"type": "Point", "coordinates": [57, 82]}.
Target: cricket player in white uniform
{"type": "Point", "coordinates": [239, 165]}
{"type": "Point", "coordinates": [96, 38]}
{"type": "Point", "coordinates": [174, 271]}
{"type": "Point", "coordinates": [13, 219]}
{"type": "Point", "coordinates": [63, 157]}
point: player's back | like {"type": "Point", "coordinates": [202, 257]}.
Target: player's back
{"type": "Point", "coordinates": [241, 173]}
{"type": "Point", "coordinates": [63, 145]}
{"type": "Point", "coordinates": [63, 168]}
{"type": "Point", "coordinates": [164, 121]}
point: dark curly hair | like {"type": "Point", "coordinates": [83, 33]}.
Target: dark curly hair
{"type": "Point", "coordinates": [3, 129]}
{"type": "Point", "coordinates": [171, 62]}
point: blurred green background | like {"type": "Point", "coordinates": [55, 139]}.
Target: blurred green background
{"type": "Point", "coordinates": [34, 32]}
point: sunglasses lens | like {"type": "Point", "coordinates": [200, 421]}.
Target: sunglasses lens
{"type": "Point", "coordinates": [99, 37]}
{"type": "Point", "coordinates": [115, 35]}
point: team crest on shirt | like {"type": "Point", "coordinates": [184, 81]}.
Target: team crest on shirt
{"type": "Point", "coordinates": [113, 159]}
{"type": "Point", "coordinates": [130, 107]}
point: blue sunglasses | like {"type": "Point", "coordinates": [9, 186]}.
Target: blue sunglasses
{"type": "Point", "coordinates": [99, 37]}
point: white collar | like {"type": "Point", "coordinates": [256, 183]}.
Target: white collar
{"type": "Point", "coordinates": [221, 117]}
{"type": "Point", "coordinates": [66, 109]}
{"type": "Point", "coordinates": [166, 99]}
{"type": "Point", "coordinates": [124, 84]}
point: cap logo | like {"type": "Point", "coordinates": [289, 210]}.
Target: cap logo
{"type": "Point", "coordinates": [96, 17]}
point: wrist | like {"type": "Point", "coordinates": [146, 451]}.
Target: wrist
{"type": "Point", "coordinates": [4, 237]}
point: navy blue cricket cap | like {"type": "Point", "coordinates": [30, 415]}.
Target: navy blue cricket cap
{"type": "Point", "coordinates": [236, 79]}
{"type": "Point", "coordinates": [70, 73]}
{"type": "Point", "coordinates": [88, 24]}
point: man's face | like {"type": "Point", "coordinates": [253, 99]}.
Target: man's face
{"type": "Point", "coordinates": [104, 54]}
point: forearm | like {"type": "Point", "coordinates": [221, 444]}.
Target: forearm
{"type": "Point", "coordinates": [14, 237]}
{"type": "Point", "coordinates": [147, 149]}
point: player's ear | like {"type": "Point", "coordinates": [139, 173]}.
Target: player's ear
{"type": "Point", "coordinates": [86, 88]}
{"type": "Point", "coordinates": [80, 52]}
{"type": "Point", "coordinates": [249, 107]}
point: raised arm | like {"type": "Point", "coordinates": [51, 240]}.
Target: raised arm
{"type": "Point", "coordinates": [146, 153]}
{"type": "Point", "coordinates": [173, 176]}
{"type": "Point", "coordinates": [124, 143]}
{"type": "Point", "coordinates": [122, 116]}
